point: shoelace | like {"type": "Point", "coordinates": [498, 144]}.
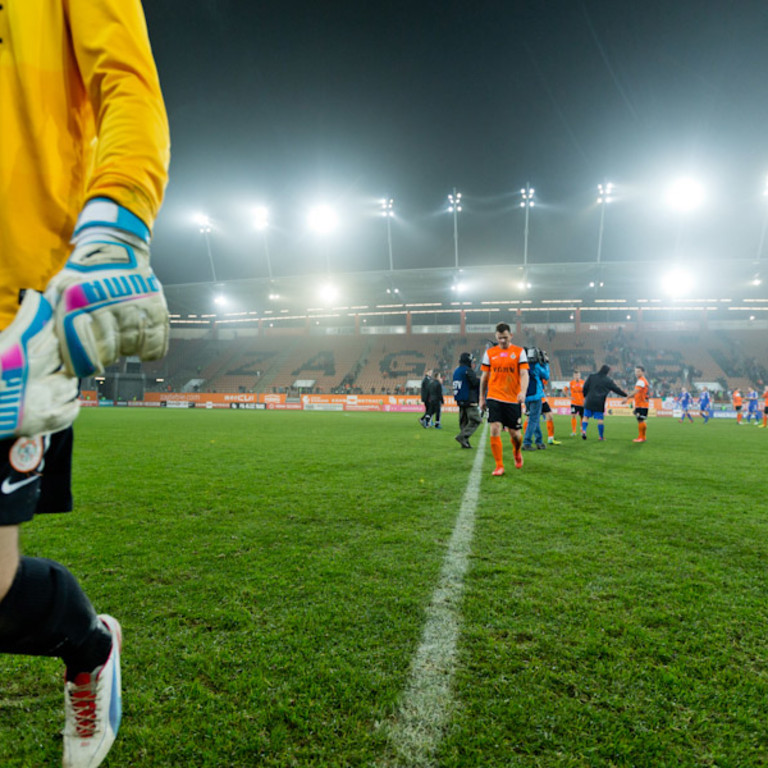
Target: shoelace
{"type": "Point", "coordinates": [82, 696]}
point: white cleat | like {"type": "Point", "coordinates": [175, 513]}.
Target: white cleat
{"type": "Point", "coordinates": [93, 707]}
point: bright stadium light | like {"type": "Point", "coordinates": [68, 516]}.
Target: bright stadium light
{"type": "Point", "coordinates": [203, 221]}
{"type": "Point", "coordinates": [323, 219]}
{"type": "Point", "coordinates": [328, 292]}
{"type": "Point", "coordinates": [685, 195]}
{"type": "Point", "coordinates": [260, 217]}
{"type": "Point", "coordinates": [677, 283]}
{"type": "Point", "coordinates": [220, 300]}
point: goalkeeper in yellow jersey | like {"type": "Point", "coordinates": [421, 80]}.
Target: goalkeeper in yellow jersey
{"type": "Point", "coordinates": [84, 152]}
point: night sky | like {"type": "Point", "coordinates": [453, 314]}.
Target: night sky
{"type": "Point", "coordinates": [289, 103]}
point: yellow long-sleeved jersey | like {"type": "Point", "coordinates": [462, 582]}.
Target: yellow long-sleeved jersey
{"type": "Point", "coordinates": [81, 116]}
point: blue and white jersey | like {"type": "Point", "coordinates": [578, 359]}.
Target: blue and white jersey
{"type": "Point", "coordinates": [704, 401]}
{"type": "Point", "coordinates": [685, 400]}
{"type": "Point", "coordinates": [752, 401]}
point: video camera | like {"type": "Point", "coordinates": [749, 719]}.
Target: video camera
{"type": "Point", "coordinates": [536, 355]}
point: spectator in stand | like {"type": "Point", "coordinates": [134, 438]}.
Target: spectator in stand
{"type": "Point", "coordinates": [466, 393]}
{"type": "Point", "coordinates": [737, 403]}
{"type": "Point", "coordinates": [596, 389]}
{"type": "Point", "coordinates": [425, 397]}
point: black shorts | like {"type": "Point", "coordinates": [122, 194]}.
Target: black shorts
{"type": "Point", "coordinates": [545, 407]}
{"type": "Point", "coordinates": [577, 410]}
{"type": "Point", "coordinates": [737, 408]}
{"type": "Point", "coordinates": [641, 414]}
{"type": "Point", "coordinates": [765, 410]}
{"type": "Point", "coordinates": [508, 414]}
{"type": "Point", "coordinates": [35, 476]}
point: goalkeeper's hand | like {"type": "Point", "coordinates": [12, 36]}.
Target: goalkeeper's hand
{"type": "Point", "coordinates": [107, 300]}
{"type": "Point", "coordinates": [36, 395]}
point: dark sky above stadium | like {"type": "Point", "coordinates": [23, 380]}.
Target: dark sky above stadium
{"type": "Point", "coordinates": [293, 103]}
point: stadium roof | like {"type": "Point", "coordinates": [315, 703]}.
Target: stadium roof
{"type": "Point", "coordinates": [543, 285]}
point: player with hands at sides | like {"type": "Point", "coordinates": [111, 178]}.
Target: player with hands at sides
{"type": "Point", "coordinates": [84, 153]}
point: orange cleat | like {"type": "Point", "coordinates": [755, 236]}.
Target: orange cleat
{"type": "Point", "coordinates": [639, 440]}
{"type": "Point", "coordinates": [498, 472]}
{"type": "Point", "coordinates": [518, 460]}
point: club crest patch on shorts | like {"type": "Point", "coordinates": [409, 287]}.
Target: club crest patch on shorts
{"type": "Point", "coordinates": [26, 454]}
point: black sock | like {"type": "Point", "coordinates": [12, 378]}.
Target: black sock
{"type": "Point", "coordinates": [46, 613]}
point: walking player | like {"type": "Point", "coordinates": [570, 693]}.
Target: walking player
{"type": "Point", "coordinates": [84, 152]}
{"type": "Point", "coordinates": [503, 384]}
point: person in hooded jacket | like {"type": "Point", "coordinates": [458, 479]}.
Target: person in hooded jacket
{"type": "Point", "coordinates": [597, 387]}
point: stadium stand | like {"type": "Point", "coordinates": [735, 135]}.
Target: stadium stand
{"type": "Point", "coordinates": [373, 363]}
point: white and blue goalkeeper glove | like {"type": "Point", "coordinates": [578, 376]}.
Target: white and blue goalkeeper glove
{"type": "Point", "coordinates": [36, 395]}
{"type": "Point", "coordinates": [107, 300]}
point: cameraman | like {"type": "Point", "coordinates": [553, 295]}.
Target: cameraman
{"type": "Point", "coordinates": [538, 362]}
{"type": "Point", "coordinates": [466, 393]}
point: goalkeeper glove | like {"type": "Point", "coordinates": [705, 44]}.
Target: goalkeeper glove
{"type": "Point", "coordinates": [36, 395]}
{"type": "Point", "coordinates": [107, 300]}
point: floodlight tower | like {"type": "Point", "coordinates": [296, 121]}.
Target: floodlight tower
{"type": "Point", "coordinates": [454, 207]}
{"type": "Point", "coordinates": [388, 211]}
{"type": "Point", "coordinates": [604, 196]}
{"type": "Point", "coordinates": [261, 223]}
{"type": "Point", "coordinates": [759, 256]}
{"type": "Point", "coordinates": [527, 202]}
{"type": "Point", "coordinates": [204, 223]}
{"type": "Point", "coordinates": [323, 220]}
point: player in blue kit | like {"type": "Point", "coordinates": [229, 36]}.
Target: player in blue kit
{"type": "Point", "coordinates": [686, 402]}
{"type": "Point", "coordinates": [705, 405]}
{"type": "Point", "coordinates": [753, 410]}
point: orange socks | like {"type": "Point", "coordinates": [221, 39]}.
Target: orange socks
{"type": "Point", "coordinates": [497, 449]}
{"type": "Point", "coordinates": [550, 428]}
{"type": "Point", "coordinates": [574, 424]}
{"type": "Point", "coordinates": [642, 427]}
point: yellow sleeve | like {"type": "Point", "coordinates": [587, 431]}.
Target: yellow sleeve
{"type": "Point", "coordinates": [132, 151]}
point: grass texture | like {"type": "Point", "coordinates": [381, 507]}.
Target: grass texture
{"type": "Point", "coordinates": [272, 571]}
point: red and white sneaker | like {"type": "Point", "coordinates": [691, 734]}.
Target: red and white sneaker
{"type": "Point", "coordinates": [93, 707]}
{"type": "Point", "coordinates": [639, 440]}
{"type": "Point", "coordinates": [498, 472]}
{"type": "Point", "coordinates": [518, 460]}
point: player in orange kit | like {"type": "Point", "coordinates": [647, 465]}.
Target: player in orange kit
{"type": "Point", "coordinates": [640, 397]}
{"type": "Point", "coordinates": [503, 384]}
{"type": "Point", "coordinates": [576, 392]}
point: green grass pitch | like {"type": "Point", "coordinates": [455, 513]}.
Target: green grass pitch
{"type": "Point", "coordinates": [272, 569]}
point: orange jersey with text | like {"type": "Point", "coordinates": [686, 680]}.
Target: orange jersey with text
{"type": "Point", "coordinates": [503, 367]}
{"type": "Point", "coordinates": [736, 397]}
{"type": "Point", "coordinates": [82, 117]}
{"type": "Point", "coordinates": [642, 389]}
{"type": "Point", "coordinates": [576, 390]}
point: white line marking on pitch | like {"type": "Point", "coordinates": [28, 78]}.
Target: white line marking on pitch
{"type": "Point", "coordinates": [428, 703]}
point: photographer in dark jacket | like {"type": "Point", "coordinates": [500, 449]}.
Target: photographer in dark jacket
{"type": "Point", "coordinates": [596, 389]}
{"type": "Point", "coordinates": [424, 397]}
{"type": "Point", "coordinates": [434, 401]}
{"type": "Point", "coordinates": [466, 393]}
